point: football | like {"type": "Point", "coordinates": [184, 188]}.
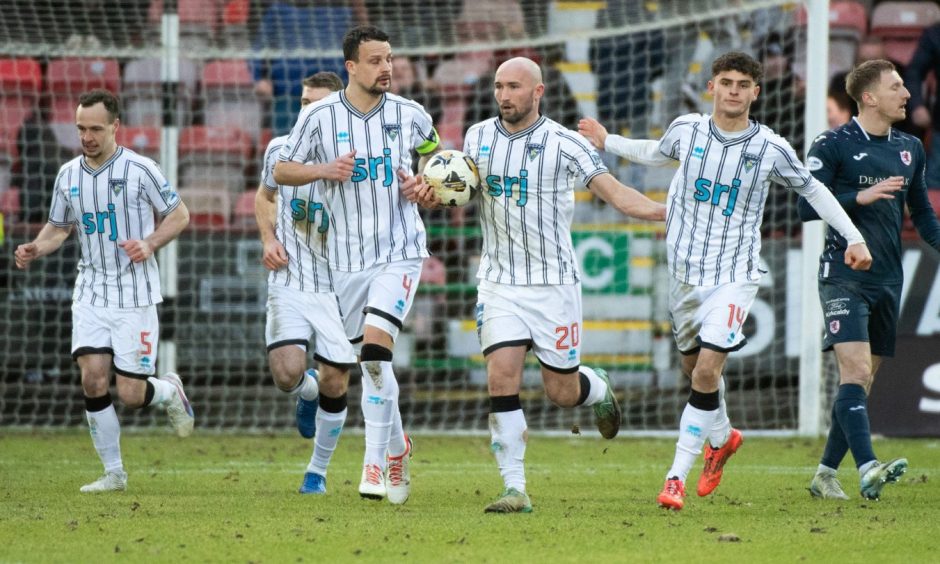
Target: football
{"type": "Point", "coordinates": [453, 176]}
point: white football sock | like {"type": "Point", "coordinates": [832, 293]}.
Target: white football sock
{"type": "Point", "coordinates": [396, 441]}
{"type": "Point", "coordinates": [329, 428]}
{"type": "Point", "coordinates": [106, 435]}
{"type": "Point", "coordinates": [509, 436]}
{"type": "Point", "coordinates": [379, 403]}
{"type": "Point", "coordinates": [692, 427]}
{"type": "Point", "coordinates": [721, 430]}
{"type": "Point", "coordinates": [162, 391]}
{"type": "Point", "coordinates": [598, 387]}
{"type": "Point", "coordinates": [307, 388]}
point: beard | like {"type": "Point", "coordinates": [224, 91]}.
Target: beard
{"type": "Point", "coordinates": [514, 115]}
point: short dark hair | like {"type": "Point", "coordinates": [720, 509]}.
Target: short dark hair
{"type": "Point", "coordinates": [741, 62]}
{"type": "Point", "coordinates": [102, 96]}
{"type": "Point", "coordinates": [864, 76]}
{"type": "Point", "coordinates": [358, 35]}
{"type": "Point", "coordinates": [325, 79]}
{"type": "Point", "coordinates": [843, 100]}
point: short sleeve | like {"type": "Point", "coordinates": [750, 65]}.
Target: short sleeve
{"type": "Point", "coordinates": [788, 169]}
{"type": "Point", "coordinates": [60, 211]}
{"type": "Point", "coordinates": [425, 136]}
{"type": "Point", "coordinates": [669, 143]}
{"type": "Point", "coordinates": [823, 159]}
{"type": "Point", "coordinates": [267, 167]}
{"type": "Point", "coordinates": [303, 138]}
{"type": "Point", "coordinates": [584, 160]}
{"type": "Point", "coordinates": [157, 189]}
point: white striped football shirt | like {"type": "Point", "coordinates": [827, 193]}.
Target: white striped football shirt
{"type": "Point", "coordinates": [302, 225]}
{"type": "Point", "coordinates": [108, 205]}
{"type": "Point", "coordinates": [527, 199]}
{"type": "Point", "coordinates": [371, 222]}
{"type": "Point", "coordinates": [716, 199]}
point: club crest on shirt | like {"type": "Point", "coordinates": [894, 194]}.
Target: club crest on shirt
{"type": "Point", "coordinates": [834, 326]}
{"type": "Point", "coordinates": [750, 161]}
{"type": "Point", "coordinates": [534, 150]}
{"type": "Point", "coordinates": [906, 157]}
{"type": "Point", "coordinates": [117, 185]}
{"type": "Point", "coordinates": [392, 130]}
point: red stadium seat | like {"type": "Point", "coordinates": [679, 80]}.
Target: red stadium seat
{"type": "Point", "coordinates": [848, 24]}
{"type": "Point", "coordinates": [230, 101]}
{"type": "Point", "coordinates": [900, 25]}
{"type": "Point", "coordinates": [198, 21]}
{"type": "Point", "coordinates": [208, 207]}
{"type": "Point", "coordinates": [244, 213]}
{"type": "Point", "coordinates": [10, 203]}
{"type": "Point", "coordinates": [143, 140]}
{"type": "Point", "coordinates": [214, 156]}
{"type": "Point", "coordinates": [142, 92]}
{"type": "Point", "coordinates": [69, 78]}
{"type": "Point", "coordinates": [20, 76]}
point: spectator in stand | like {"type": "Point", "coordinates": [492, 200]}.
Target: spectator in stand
{"type": "Point", "coordinates": [926, 58]}
{"type": "Point", "coordinates": [838, 109]}
{"type": "Point", "coordinates": [407, 83]}
{"type": "Point", "coordinates": [291, 26]}
{"type": "Point", "coordinates": [780, 107]}
{"type": "Point", "coordinates": [872, 48]}
{"type": "Point", "coordinates": [558, 100]}
{"type": "Point", "coordinates": [40, 158]}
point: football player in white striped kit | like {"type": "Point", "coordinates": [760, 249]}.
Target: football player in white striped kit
{"type": "Point", "coordinates": [358, 143]}
{"type": "Point", "coordinates": [301, 302]}
{"type": "Point", "coordinates": [109, 194]}
{"type": "Point", "coordinates": [529, 295]}
{"type": "Point", "coordinates": [716, 199]}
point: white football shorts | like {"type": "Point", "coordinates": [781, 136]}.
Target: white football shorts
{"type": "Point", "coordinates": [547, 318]}
{"type": "Point", "coordinates": [709, 316]}
{"type": "Point", "coordinates": [294, 316]}
{"type": "Point", "coordinates": [385, 292]}
{"type": "Point", "coordinates": [129, 335]}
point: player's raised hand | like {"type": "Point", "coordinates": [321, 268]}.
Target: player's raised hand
{"type": "Point", "coordinates": [593, 131]}
{"type": "Point", "coordinates": [415, 189]}
{"type": "Point", "coordinates": [884, 190]}
{"type": "Point", "coordinates": [274, 256]}
{"type": "Point", "coordinates": [25, 254]}
{"type": "Point", "coordinates": [857, 257]}
{"type": "Point", "coordinates": [341, 169]}
{"type": "Point", "coordinates": [138, 250]}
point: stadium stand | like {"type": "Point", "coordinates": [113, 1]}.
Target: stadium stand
{"type": "Point", "coordinates": [229, 97]}
{"type": "Point", "coordinates": [899, 25]}
{"type": "Point", "coordinates": [214, 157]}
{"type": "Point", "coordinates": [142, 93]}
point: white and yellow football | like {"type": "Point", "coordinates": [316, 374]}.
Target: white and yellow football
{"type": "Point", "coordinates": [453, 176]}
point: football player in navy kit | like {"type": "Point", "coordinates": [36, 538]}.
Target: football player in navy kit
{"type": "Point", "coordinates": [873, 170]}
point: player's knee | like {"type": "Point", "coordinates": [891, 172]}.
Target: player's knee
{"type": "Point", "coordinates": [334, 381]}
{"type": "Point", "coordinates": [286, 378]}
{"type": "Point", "coordinates": [706, 378]}
{"type": "Point", "coordinates": [130, 396]}
{"type": "Point", "coordinates": [563, 392]}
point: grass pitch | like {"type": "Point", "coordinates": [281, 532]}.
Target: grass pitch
{"type": "Point", "coordinates": [232, 498]}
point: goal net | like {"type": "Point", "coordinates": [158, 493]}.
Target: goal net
{"type": "Point", "coordinates": [633, 65]}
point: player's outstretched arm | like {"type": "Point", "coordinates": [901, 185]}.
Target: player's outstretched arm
{"type": "Point", "coordinates": [273, 257]}
{"type": "Point", "coordinates": [49, 240]}
{"type": "Point", "coordinates": [829, 209]}
{"type": "Point", "coordinates": [626, 200]}
{"type": "Point", "coordinates": [640, 151]}
{"type": "Point", "coordinates": [290, 173]}
{"type": "Point", "coordinates": [139, 250]}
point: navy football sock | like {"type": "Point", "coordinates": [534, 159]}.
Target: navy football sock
{"type": "Point", "coordinates": [851, 408]}
{"type": "Point", "coordinates": [836, 444]}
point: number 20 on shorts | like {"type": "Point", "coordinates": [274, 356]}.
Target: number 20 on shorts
{"type": "Point", "coordinates": [568, 336]}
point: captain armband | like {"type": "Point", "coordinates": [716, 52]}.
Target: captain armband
{"type": "Point", "coordinates": [429, 144]}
